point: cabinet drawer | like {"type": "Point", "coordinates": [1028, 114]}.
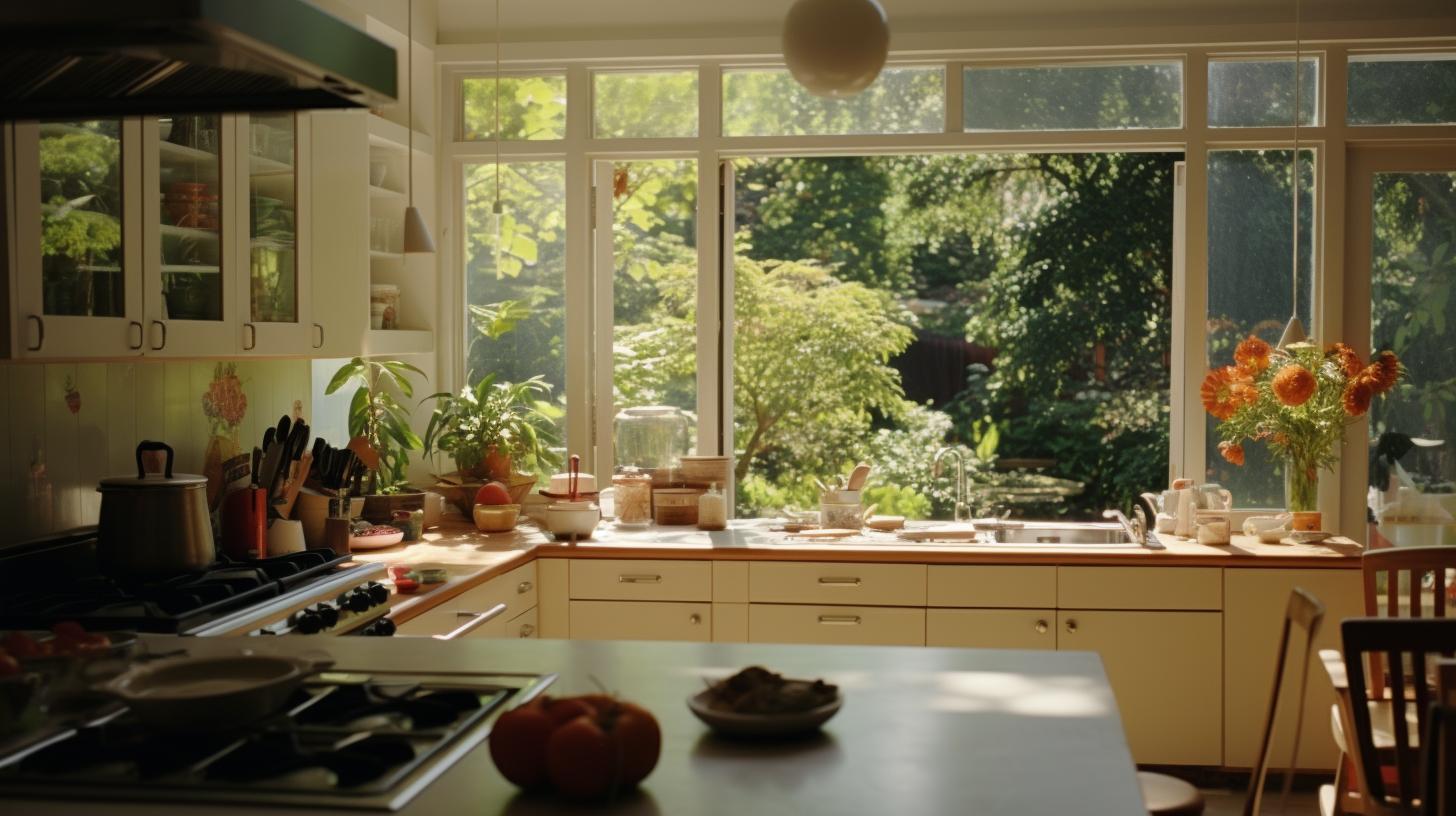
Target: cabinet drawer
{"type": "Point", "coordinates": [641, 620]}
{"type": "Point", "coordinates": [999, 587]}
{"type": "Point", "coordinates": [632, 580]}
{"type": "Point", "coordinates": [851, 625]}
{"type": "Point", "coordinates": [516, 589]}
{"type": "Point", "coordinates": [523, 625]}
{"type": "Point", "coordinates": [1140, 588]}
{"type": "Point", "coordinates": [446, 618]}
{"type": "Point", "coordinates": [991, 628]}
{"type": "Point", "coordinates": [836, 583]}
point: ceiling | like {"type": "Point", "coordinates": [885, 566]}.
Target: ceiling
{"type": "Point", "coordinates": [472, 21]}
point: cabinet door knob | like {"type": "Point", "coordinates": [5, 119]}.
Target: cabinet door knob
{"type": "Point", "coordinates": [159, 341]}
{"type": "Point", "coordinates": [1071, 626]}
{"type": "Point", "coordinates": [320, 343]}
{"type": "Point", "coordinates": [136, 328]}
{"type": "Point", "coordinates": [251, 333]}
{"type": "Point", "coordinates": [695, 618]}
{"type": "Point", "coordinates": [1040, 627]}
{"type": "Point", "coordinates": [39, 333]}
{"type": "Point", "coordinates": [524, 587]}
{"type": "Point", "coordinates": [527, 630]}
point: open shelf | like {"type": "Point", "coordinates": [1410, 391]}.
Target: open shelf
{"type": "Point", "coordinates": [376, 255]}
{"type": "Point", "coordinates": [384, 192]}
{"type": "Point", "coordinates": [384, 133]}
{"type": "Point", "coordinates": [176, 152]}
{"type": "Point", "coordinates": [189, 232]}
{"type": "Point", "coordinates": [399, 341]}
{"type": "Point", "coordinates": [200, 269]}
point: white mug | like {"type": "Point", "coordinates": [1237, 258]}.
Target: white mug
{"type": "Point", "coordinates": [285, 536]}
{"type": "Point", "coordinates": [434, 509]}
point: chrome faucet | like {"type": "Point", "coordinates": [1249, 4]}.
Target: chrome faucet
{"type": "Point", "coordinates": [960, 459]}
{"type": "Point", "coordinates": [1136, 530]}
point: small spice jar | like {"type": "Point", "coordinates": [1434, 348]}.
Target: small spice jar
{"type": "Point", "coordinates": [385, 298]}
{"type": "Point", "coordinates": [633, 498]}
{"type": "Point", "coordinates": [712, 510]}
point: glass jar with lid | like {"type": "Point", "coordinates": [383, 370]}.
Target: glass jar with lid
{"type": "Point", "coordinates": [653, 439]}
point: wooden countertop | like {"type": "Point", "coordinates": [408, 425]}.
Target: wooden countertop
{"type": "Point", "coordinates": [471, 557]}
{"type": "Point", "coordinates": [923, 731]}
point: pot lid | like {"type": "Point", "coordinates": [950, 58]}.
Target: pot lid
{"type": "Point", "coordinates": [152, 481]}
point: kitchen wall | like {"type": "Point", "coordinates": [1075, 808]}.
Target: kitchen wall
{"type": "Point", "coordinates": [65, 426]}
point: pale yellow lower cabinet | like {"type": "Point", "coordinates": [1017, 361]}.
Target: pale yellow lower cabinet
{"type": "Point", "coordinates": [730, 622]}
{"type": "Point", "coordinates": [515, 589]}
{"type": "Point", "coordinates": [448, 617]}
{"type": "Point", "coordinates": [1254, 604]}
{"type": "Point", "coordinates": [523, 625]}
{"type": "Point", "coordinates": [641, 620]}
{"type": "Point", "coordinates": [553, 605]}
{"type": "Point", "coordinates": [854, 625]}
{"type": "Point", "coordinates": [991, 628]}
{"type": "Point", "coordinates": [1166, 669]}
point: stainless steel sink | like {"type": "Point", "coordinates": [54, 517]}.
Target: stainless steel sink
{"type": "Point", "coordinates": [1023, 534]}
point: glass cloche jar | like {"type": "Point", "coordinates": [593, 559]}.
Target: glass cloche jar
{"type": "Point", "coordinates": [652, 438]}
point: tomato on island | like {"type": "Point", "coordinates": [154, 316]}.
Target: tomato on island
{"type": "Point", "coordinates": [587, 747]}
{"type": "Point", "coordinates": [493, 493]}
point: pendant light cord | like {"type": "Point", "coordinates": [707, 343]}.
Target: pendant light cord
{"type": "Point", "coordinates": [497, 207]}
{"type": "Point", "coordinates": [1298, 111]}
{"type": "Point", "coordinates": [409, 28]}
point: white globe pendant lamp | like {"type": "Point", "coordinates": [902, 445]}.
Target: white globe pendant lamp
{"type": "Point", "coordinates": [836, 48]}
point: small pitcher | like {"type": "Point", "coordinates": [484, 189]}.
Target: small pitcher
{"type": "Point", "coordinates": [1212, 497]}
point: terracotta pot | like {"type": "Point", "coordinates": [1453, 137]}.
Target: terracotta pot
{"type": "Point", "coordinates": [380, 509]}
{"type": "Point", "coordinates": [498, 466]}
{"type": "Point", "coordinates": [1307, 521]}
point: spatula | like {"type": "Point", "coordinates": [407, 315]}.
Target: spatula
{"type": "Point", "coordinates": [858, 476]}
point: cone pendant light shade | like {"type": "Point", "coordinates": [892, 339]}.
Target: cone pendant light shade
{"type": "Point", "coordinates": [416, 234]}
{"type": "Point", "coordinates": [1293, 333]}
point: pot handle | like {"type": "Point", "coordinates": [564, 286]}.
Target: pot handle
{"type": "Point", "coordinates": [149, 445]}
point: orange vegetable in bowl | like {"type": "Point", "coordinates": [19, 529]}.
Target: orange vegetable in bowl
{"type": "Point", "coordinates": [493, 493]}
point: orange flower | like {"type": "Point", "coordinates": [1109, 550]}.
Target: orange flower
{"type": "Point", "coordinates": [1232, 451]}
{"type": "Point", "coordinates": [1349, 361]}
{"type": "Point", "coordinates": [1294, 385]}
{"type": "Point", "coordinates": [1218, 391]}
{"type": "Point", "coordinates": [1383, 372]}
{"type": "Point", "coordinates": [1356, 398]}
{"type": "Point", "coordinates": [1252, 354]}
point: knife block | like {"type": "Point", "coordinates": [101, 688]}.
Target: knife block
{"type": "Point", "coordinates": [336, 535]}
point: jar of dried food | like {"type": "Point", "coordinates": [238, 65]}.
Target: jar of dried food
{"type": "Point", "coordinates": [712, 510]}
{"type": "Point", "coordinates": [633, 498]}
{"type": "Point", "coordinates": [652, 438]}
{"type": "Point", "coordinates": [386, 297]}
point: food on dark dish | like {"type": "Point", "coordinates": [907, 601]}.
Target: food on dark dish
{"type": "Point", "coordinates": [756, 690]}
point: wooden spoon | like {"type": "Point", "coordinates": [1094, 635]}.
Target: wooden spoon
{"type": "Point", "coordinates": [858, 476]}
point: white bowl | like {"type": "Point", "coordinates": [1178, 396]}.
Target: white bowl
{"type": "Point", "coordinates": [566, 520]}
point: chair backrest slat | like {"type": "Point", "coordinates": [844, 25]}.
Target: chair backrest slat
{"type": "Point", "coordinates": [1366, 640]}
{"type": "Point", "coordinates": [1440, 791]}
{"type": "Point", "coordinates": [1402, 565]}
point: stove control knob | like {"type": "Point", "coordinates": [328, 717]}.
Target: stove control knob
{"type": "Point", "coordinates": [378, 592]}
{"type": "Point", "coordinates": [328, 614]}
{"type": "Point", "coordinates": [310, 624]}
{"type": "Point", "coordinates": [359, 602]}
{"type": "Point", "coordinates": [384, 627]}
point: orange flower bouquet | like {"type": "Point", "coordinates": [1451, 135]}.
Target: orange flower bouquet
{"type": "Point", "coordinates": [1297, 401]}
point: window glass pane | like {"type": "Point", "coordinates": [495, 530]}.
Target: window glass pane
{"type": "Point", "coordinates": [515, 279]}
{"type": "Point", "coordinates": [1260, 93]}
{"type": "Point", "coordinates": [655, 296]}
{"type": "Point", "coordinates": [1077, 97]}
{"type": "Point", "coordinates": [1412, 273]}
{"type": "Point", "coordinates": [1401, 90]}
{"type": "Point", "coordinates": [80, 217]}
{"type": "Point", "coordinates": [773, 103]}
{"type": "Point", "coordinates": [190, 174]}
{"type": "Point", "coordinates": [888, 306]}
{"type": "Point", "coordinates": [1250, 257]}
{"type": "Point", "coordinates": [633, 106]}
{"type": "Point", "coordinates": [531, 108]}
{"type": "Point", "coordinates": [272, 185]}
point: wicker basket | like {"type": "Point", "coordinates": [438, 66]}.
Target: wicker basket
{"type": "Point", "coordinates": [462, 496]}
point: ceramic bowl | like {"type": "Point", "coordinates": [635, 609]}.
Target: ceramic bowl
{"type": "Point", "coordinates": [566, 520]}
{"type": "Point", "coordinates": [1268, 529]}
{"type": "Point", "coordinates": [496, 518]}
{"type": "Point", "coordinates": [761, 725]}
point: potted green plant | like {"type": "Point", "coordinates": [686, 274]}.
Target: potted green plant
{"type": "Point", "coordinates": [376, 415]}
{"type": "Point", "coordinates": [494, 429]}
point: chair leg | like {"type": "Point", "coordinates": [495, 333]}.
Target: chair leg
{"type": "Point", "coordinates": [1345, 800]}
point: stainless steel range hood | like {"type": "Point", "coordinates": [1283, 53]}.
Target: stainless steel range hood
{"type": "Point", "coordinates": [65, 58]}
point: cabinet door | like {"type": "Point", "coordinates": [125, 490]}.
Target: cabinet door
{"type": "Point", "coordinates": [338, 251]}
{"type": "Point", "coordinates": [274, 289]}
{"type": "Point", "coordinates": [851, 625]}
{"type": "Point", "coordinates": [641, 620]}
{"type": "Point", "coordinates": [523, 625]}
{"type": "Point", "coordinates": [78, 239]}
{"type": "Point", "coordinates": [191, 304]}
{"type": "Point", "coordinates": [991, 628]}
{"type": "Point", "coordinates": [1166, 671]}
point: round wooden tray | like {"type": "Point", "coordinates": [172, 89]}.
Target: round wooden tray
{"type": "Point", "coordinates": [584, 494]}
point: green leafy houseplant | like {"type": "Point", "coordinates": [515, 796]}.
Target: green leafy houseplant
{"type": "Point", "coordinates": [377, 416]}
{"type": "Point", "coordinates": [508, 419]}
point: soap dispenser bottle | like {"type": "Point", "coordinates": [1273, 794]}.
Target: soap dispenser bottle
{"type": "Point", "coordinates": [712, 510]}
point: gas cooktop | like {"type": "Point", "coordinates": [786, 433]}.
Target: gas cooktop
{"type": "Point", "coordinates": [346, 739]}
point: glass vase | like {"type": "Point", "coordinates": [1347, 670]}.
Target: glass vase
{"type": "Point", "coordinates": [1301, 486]}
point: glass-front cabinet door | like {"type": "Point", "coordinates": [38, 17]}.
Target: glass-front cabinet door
{"type": "Point", "coordinates": [80, 291]}
{"type": "Point", "coordinates": [274, 299]}
{"type": "Point", "coordinates": [190, 308]}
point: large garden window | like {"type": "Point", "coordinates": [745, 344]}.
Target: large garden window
{"type": "Point", "coordinates": [1402, 89]}
{"type": "Point", "coordinates": [1260, 92]}
{"type": "Point", "coordinates": [761, 102]}
{"type": "Point", "coordinates": [645, 105]}
{"type": "Point", "coordinates": [530, 108]}
{"type": "Point", "coordinates": [1074, 97]}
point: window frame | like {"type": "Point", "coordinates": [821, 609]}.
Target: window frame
{"type": "Point", "coordinates": [1330, 138]}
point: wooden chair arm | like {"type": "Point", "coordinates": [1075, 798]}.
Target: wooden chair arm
{"type": "Point", "coordinates": [1335, 668]}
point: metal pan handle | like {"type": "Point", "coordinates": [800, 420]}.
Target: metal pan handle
{"type": "Point", "coordinates": [148, 445]}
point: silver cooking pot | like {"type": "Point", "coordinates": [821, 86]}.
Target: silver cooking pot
{"type": "Point", "coordinates": [154, 525]}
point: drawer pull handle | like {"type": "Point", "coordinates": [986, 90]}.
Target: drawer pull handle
{"type": "Point", "coordinates": [839, 581]}
{"type": "Point", "coordinates": [695, 618]}
{"type": "Point", "coordinates": [1040, 627]}
{"type": "Point", "coordinates": [839, 620]}
{"type": "Point", "coordinates": [476, 621]}
{"type": "Point", "coordinates": [527, 630]}
{"type": "Point", "coordinates": [639, 579]}
{"type": "Point", "coordinates": [1071, 626]}
{"type": "Point", "coordinates": [524, 587]}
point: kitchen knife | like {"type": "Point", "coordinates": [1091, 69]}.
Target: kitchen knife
{"type": "Point", "coordinates": [284, 425]}
{"type": "Point", "coordinates": [268, 438]}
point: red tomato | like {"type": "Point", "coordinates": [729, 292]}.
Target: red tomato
{"type": "Point", "coordinates": [581, 759]}
{"type": "Point", "coordinates": [21, 646]}
{"type": "Point", "coordinates": [493, 493]}
{"type": "Point", "coordinates": [518, 744]}
{"type": "Point", "coordinates": [9, 666]}
{"type": "Point", "coordinates": [639, 739]}
{"type": "Point", "coordinates": [69, 630]}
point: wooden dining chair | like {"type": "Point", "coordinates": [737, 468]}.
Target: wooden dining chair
{"type": "Point", "coordinates": [1169, 796]}
{"type": "Point", "coordinates": [1439, 798]}
{"type": "Point", "coordinates": [1387, 773]}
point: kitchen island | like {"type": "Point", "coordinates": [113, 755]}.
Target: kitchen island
{"type": "Point", "coordinates": [922, 731]}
